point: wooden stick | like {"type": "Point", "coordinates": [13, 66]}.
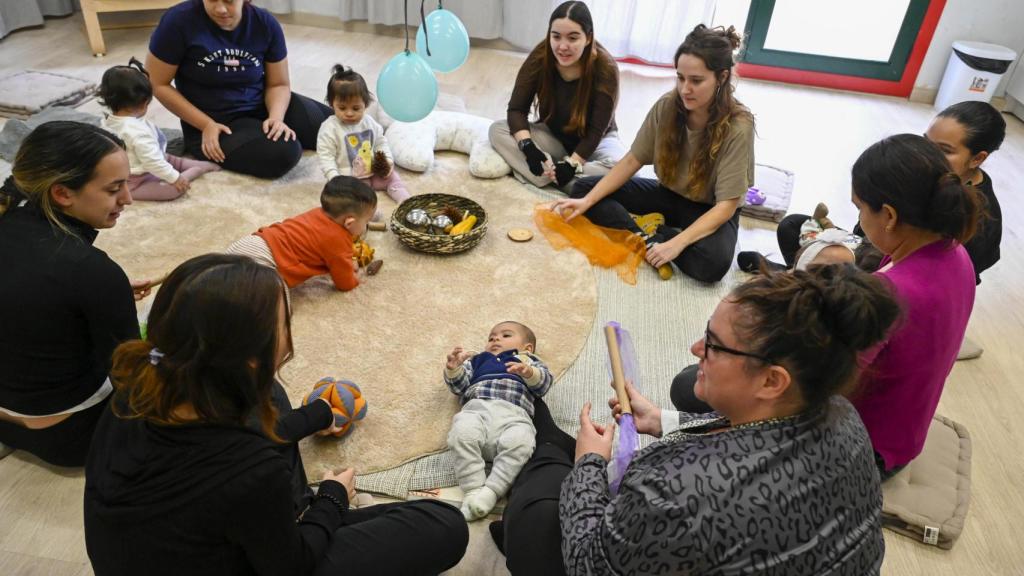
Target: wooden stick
{"type": "Point", "coordinates": [618, 376]}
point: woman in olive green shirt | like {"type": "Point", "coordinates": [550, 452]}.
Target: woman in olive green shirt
{"type": "Point", "coordinates": [701, 142]}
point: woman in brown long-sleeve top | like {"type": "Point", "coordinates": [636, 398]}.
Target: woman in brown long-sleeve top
{"type": "Point", "coordinates": [573, 84]}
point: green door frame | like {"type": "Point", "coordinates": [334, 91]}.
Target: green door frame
{"type": "Point", "coordinates": [759, 19]}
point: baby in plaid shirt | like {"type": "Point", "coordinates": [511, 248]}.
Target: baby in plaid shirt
{"type": "Point", "coordinates": [497, 388]}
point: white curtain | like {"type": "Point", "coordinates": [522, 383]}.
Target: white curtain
{"type": "Point", "coordinates": [486, 19]}
{"type": "Point", "coordinates": [650, 30]}
{"type": "Point", "coordinates": [16, 14]}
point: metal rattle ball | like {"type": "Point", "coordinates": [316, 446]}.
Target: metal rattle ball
{"type": "Point", "coordinates": [417, 217]}
{"type": "Point", "coordinates": [442, 221]}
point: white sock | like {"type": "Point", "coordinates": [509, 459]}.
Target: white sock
{"type": "Point", "coordinates": [481, 502]}
{"type": "Point", "coordinates": [466, 497]}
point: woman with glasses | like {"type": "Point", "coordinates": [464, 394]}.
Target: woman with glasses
{"type": "Point", "coordinates": [779, 479]}
{"type": "Point", "coordinates": [918, 213]}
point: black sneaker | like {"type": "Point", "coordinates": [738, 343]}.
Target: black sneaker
{"type": "Point", "coordinates": [751, 262]}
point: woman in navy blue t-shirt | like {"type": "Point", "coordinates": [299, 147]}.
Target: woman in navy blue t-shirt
{"type": "Point", "coordinates": [229, 64]}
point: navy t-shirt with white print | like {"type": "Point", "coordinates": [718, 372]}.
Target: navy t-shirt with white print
{"type": "Point", "coordinates": [220, 72]}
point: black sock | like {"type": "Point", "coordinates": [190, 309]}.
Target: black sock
{"type": "Point", "coordinates": [497, 529]}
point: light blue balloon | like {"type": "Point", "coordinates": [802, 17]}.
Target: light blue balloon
{"type": "Point", "coordinates": [406, 87]}
{"type": "Point", "coordinates": [449, 41]}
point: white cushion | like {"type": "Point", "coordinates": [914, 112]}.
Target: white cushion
{"type": "Point", "coordinates": [413, 143]}
{"type": "Point", "coordinates": [445, 101]}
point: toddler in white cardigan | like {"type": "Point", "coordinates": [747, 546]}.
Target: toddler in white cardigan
{"type": "Point", "coordinates": [351, 142]}
{"type": "Point", "coordinates": [155, 175]}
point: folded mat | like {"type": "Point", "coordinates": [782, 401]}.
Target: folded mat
{"type": "Point", "coordinates": [26, 92]}
{"type": "Point", "coordinates": [928, 499]}
{"type": "Point", "coordinates": [14, 131]}
{"type": "Point", "coordinates": [777, 186]}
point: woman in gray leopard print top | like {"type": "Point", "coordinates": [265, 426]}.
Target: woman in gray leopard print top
{"type": "Point", "coordinates": [780, 479]}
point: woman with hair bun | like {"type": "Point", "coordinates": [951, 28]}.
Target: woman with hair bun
{"type": "Point", "coordinates": [701, 142]}
{"type": "Point", "coordinates": [917, 212]}
{"type": "Point", "coordinates": [780, 479]}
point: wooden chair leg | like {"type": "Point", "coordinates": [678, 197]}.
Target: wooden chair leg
{"type": "Point", "coordinates": [93, 30]}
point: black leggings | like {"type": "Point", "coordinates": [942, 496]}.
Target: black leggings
{"type": "Point", "coordinates": [418, 537]}
{"type": "Point", "coordinates": [63, 444]}
{"type": "Point", "coordinates": [788, 235]}
{"type": "Point", "coordinates": [707, 260]}
{"type": "Point", "coordinates": [682, 395]}
{"type": "Point", "coordinates": [533, 536]}
{"type": "Point", "coordinates": [247, 150]}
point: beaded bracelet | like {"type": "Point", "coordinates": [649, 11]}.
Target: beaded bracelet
{"type": "Point", "coordinates": [337, 503]}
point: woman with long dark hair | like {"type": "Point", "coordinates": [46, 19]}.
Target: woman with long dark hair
{"type": "Point", "coordinates": [572, 83]}
{"type": "Point", "coordinates": [919, 214]}
{"type": "Point", "coordinates": [67, 305]}
{"type": "Point", "coordinates": [701, 142]}
{"type": "Point", "coordinates": [187, 475]}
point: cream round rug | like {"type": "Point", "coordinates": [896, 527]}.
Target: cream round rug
{"type": "Point", "coordinates": [391, 334]}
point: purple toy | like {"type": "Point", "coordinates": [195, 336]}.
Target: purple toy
{"type": "Point", "coordinates": [622, 361]}
{"type": "Point", "coordinates": [755, 197]}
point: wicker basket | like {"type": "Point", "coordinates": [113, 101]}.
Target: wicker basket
{"type": "Point", "coordinates": [438, 243]}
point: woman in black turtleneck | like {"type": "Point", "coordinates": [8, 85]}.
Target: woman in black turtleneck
{"type": "Point", "coordinates": [64, 305]}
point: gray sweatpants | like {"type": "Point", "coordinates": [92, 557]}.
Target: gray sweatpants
{"type": "Point", "coordinates": [609, 151]}
{"type": "Point", "coordinates": [493, 430]}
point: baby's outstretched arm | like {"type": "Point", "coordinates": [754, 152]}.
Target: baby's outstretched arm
{"type": "Point", "coordinates": [534, 372]}
{"type": "Point", "coordinates": [458, 371]}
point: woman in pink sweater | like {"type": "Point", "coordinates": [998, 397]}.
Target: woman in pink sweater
{"type": "Point", "coordinates": [919, 214]}
{"type": "Point", "coordinates": [915, 209]}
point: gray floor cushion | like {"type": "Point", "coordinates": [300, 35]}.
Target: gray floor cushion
{"type": "Point", "coordinates": [928, 499]}
{"type": "Point", "coordinates": [27, 92]}
{"type": "Point", "coordinates": [777, 186]}
{"type": "Point", "coordinates": [14, 131]}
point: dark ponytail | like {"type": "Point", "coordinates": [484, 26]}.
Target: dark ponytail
{"type": "Point", "coordinates": [815, 323]}
{"type": "Point", "coordinates": [910, 174]}
{"type": "Point", "coordinates": [984, 125]}
{"type": "Point", "coordinates": [212, 317]}
{"type": "Point", "coordinates": [345, 84]}
{"type": "Point", "coordinates": [125, 87]}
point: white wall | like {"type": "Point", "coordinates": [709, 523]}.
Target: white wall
{"type": "Point", "coordinates": [993, 21]}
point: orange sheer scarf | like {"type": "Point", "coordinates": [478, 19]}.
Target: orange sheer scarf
{"type": "Point", "coordinates": [605, 247]}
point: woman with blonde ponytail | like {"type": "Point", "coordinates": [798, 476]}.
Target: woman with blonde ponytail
{"type": "Point", "coordinates": [66, 304]}
{"type": "Point", "coordinates": [700, 140]}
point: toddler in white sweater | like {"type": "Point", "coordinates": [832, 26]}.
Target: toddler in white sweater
{"type": "Point", "coordinates": [155, 175]}
{"type": "Point", "coordinates": [350, 141]}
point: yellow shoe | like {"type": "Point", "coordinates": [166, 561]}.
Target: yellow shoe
{"type": "Point", "coordinates": [649, 222]}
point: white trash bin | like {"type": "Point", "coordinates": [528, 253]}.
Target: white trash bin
{"type": "Point", "coordinates": [973, 72]}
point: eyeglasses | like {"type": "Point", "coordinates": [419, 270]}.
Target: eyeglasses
{"type": "Point", "coordinates": [719, 348]}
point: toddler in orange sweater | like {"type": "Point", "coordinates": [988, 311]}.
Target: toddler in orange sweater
{"type": "Point", "coordinates": [318, 241]}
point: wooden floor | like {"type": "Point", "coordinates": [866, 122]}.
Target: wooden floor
{"type": "Point", "coordinates": [815, 133]}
